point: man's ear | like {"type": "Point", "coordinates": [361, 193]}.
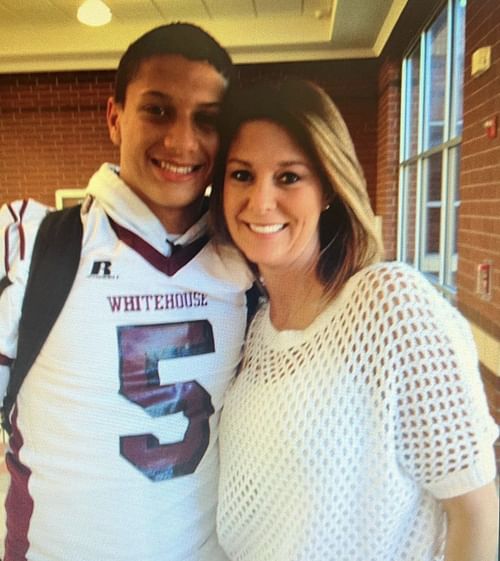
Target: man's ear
{"type": "Point", "coordinates": [113, 112]}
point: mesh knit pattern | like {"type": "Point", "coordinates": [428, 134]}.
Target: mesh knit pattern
{"type": "Point", "coordinates": [337, 441]}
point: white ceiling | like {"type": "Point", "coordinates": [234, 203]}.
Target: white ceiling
{"type": "Point", "coordinates": [44, 35]}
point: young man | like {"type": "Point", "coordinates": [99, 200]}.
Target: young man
{"type": "Point", "coordinates": [113, 455]}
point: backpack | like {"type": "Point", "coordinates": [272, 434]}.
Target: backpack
{"type": "Point", "coordinates": [54, 262]}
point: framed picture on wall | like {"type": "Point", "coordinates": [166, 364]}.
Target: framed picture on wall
{"type": "Point", "coordinates": [69, 197]}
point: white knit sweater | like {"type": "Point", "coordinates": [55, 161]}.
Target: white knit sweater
{"type": "Point", "coordinates": [337, 441]}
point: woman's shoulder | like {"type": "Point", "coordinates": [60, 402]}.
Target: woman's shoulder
{"type": "Point", "coordinates": [396, 288]}
{"type": "Point", "coordinates": [392, 279]}
{"type": "Point", "coordinates": [391, 271]}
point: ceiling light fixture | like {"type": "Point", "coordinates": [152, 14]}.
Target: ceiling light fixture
{"type": "Point", "coordinates": [94, 13]}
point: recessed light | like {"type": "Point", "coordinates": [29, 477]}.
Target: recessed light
{"type": "Point", "coordinates": [94, 13]}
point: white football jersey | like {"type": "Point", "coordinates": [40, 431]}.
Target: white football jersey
{"type": "Point", "coordinates": [114, 451]}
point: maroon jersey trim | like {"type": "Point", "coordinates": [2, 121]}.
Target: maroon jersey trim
{"type": "Point", "coordinates": [5, 360]}
{"type": "Point", "coordinates": [168, 265]}
{"type": "Point", "coordinates": [19, 503]}
{"type": "Point", "coordinates": [22, 241]}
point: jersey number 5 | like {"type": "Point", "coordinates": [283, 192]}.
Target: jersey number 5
{"type": "Point", "coordinates": [141, 349]}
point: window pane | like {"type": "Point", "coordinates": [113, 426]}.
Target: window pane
{"type": "Point", "coordinates": [410, 191]}
{"type": "Point", "coordinates": [458, 70]}
{"type": "Point", "coordinates": [436, 81]}
{"type": "Point", "coordinates": [452, 218]}
{"type": "Point", "coordinates": [433, 221]}
{"type": "Point", "coordinates": [432, 215]}
{"type": "Point", "coordinates": [413, 91]}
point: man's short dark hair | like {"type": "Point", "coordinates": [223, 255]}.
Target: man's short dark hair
{"type": "Point", "coordinates": [185, 39]}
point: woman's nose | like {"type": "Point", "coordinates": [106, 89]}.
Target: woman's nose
{"type": "Point", "coordinates": [262, 197]}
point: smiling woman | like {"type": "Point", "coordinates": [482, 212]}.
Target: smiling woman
{"type": "Point", "coordinates": [326, 445]}
{"type": "Point", "coordinates": [274, 199]}
{"type": "Point", "coordinates": [311, 133]}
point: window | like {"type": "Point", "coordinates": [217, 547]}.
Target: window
{"type": "Point", "coordinates": [431, 129]}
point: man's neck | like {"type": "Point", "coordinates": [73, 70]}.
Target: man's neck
{"type": "Point", "coordinates": [178, 221]}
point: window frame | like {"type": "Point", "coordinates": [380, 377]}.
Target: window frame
{"type": "Point", "coordinates": [438, 267]}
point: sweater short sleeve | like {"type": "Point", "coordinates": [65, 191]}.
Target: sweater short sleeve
{"type": "Point", "coordinates": [444, 433]}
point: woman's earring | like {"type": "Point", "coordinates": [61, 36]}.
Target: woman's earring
{"type": "Point", "coordinates": [326, 207]}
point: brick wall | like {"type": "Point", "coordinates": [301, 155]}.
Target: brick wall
{"type": "Point", "coordinates": [53, 132]}
{"type": "Point", "coordinates": [386, 205]}
{"type": "Point", "coordinates": [479, 225]}
{"type": "Point", "coordinates": [479, 235]}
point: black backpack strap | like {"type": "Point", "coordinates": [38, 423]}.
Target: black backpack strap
{"type": "Point", "coordinates": [54, 262]}
{"type": "Point", "coordinates": [254, 296]}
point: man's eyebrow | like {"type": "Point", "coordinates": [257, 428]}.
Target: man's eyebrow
{"type": "Point", "coordinates": [166, 97]}
{"type": "Point", "coordinates": [154, 93]}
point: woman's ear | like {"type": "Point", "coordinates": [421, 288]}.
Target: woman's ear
{"type": "Point", "coordinates": [327, 201]}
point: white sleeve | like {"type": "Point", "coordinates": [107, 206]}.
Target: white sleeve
{"type": "Point", "coordinates": [19, 222]}
{"type": "Point", "coordinates": [445, 434]}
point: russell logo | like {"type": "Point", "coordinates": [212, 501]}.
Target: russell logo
{"type": "Point", "coordinates": [102, 270]}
